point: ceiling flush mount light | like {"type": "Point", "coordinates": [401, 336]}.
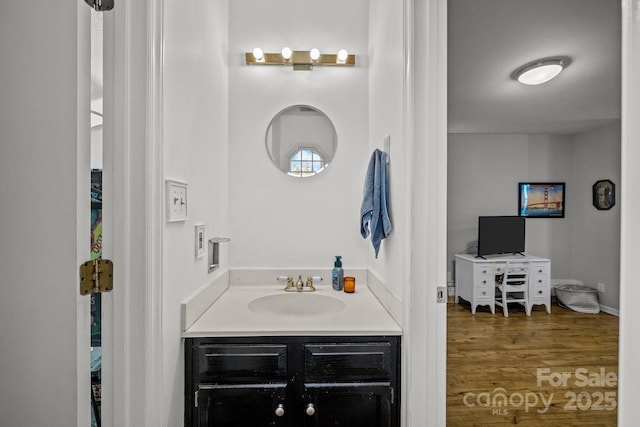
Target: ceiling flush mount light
{"type": "Point", "coordinates": [541, 70]}
{"type": "Point", "coordinates": [300, 59]}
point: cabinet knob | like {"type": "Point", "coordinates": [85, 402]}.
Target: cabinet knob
{"type": "Point", "coordinates": [484, 282]}
{"type": "Point", "coordinates": [280, 410]}
{"type": "Point", "coordinates": [540, 292]}
{"type": "Point", "coordinates": [311, 409]}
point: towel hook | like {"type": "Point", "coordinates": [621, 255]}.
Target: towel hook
{"type": "Point", "coordinates": [386, 146]}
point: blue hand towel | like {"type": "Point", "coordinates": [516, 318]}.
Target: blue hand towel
{"type": "Point", "coordinates": [374, 212]}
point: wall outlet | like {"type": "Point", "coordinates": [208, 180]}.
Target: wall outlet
{"type": "Point", "coordinates": [601, 287]}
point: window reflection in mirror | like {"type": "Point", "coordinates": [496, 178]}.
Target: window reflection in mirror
{"type": "Point", "coordinates": [301, 141]}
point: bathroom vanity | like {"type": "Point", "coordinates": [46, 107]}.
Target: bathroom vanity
{"type": "Point", "coordinates": [262, 357]}
{"type": "Point", "coordinates": [293, 381]}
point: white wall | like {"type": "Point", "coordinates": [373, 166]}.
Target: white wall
{"type": "Point", "coordinates": [194, 151]}
{"type": "Point", "coordinates": [484, 170]}
{"type": "Point", "coordinates": [277, 220]}
{"type": "Point", "coordinates": [386, 114]}
{"type": "Point", "coordinates": [595, 235]}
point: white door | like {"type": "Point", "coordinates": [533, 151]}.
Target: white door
{"type": "Point", "coordinates": [44, 213]}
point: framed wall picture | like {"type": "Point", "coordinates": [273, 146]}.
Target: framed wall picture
{"type": "Point", "coordinates": [541, 199]}
{"type": "Point", "coordinates": [604, 194]}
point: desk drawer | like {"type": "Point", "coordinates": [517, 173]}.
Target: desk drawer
{"type": "Point", "coordinates": [539, 275]}
{"type": "Point", "coordinates": [485, 282]}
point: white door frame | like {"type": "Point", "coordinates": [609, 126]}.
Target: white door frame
{"type": "Point", "coordinates": [428, 76]}
{"type": "Point", "coordinates": [629, 345]}
{"type": "Point", "coordinates": [132, 381]}
{"type": "Point", "coordinates": [425, 354]}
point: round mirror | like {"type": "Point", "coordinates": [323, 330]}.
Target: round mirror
{"type": "Point", "coordinates": [301, 141]}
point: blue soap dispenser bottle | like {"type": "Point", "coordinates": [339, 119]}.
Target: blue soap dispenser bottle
{"type": "Point", "coordinates": [337, 274]}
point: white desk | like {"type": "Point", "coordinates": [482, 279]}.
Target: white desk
{"type": "Point", "coordinates": [476, 279]}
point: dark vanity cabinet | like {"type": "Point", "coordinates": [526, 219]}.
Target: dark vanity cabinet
{"type": "Point", "coordinates": [292, 381]}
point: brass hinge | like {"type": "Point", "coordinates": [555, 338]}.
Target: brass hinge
{"type": "Point", "coordinates": [100, 5]}
{"type": "Point", "coordinates": [96, 276]}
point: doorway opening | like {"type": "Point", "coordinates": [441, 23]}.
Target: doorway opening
{"type": "Point", "coordinates": [502, 133]}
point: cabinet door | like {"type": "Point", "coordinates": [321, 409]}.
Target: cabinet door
{"type": "Point", "coordinates": [241, 406]}
{"type": "Point", "coordinates": [350, 405]}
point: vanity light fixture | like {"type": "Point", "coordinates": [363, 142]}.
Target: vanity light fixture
{"type": "Point", "coordinates": [300, 59]}
{"type": "Point", "coordinates": [541, 70]}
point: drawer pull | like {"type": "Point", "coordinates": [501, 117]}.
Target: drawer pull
{"type": "Point", "coordinates": [280, 410]}
{"type": "Point", "coordinates": [540, 292]}
{"type": "Point", "coordinates": [311, 410]}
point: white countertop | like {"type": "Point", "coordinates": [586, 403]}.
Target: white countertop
{"type": "Point", "coordinates": [230, 315]}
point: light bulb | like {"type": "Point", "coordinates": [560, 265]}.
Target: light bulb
{"type": "Point", "coordinates": [258, 54]}
{"type": "Point", "coordinates": [342, 55]}
{"type": "Point", "coordinates": [286, 52]}
{"type": "Point", "coordinates": [315, 54]}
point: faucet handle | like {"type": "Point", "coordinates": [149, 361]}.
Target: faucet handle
{"type": "Point", "coordinates": [299, 283]}
{"type": "Point", "coordinates": [290, 286]}
{"type": "Point", "coordinates": [310, 286]}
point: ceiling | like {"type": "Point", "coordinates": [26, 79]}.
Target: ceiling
{"type": "Point", "coordinates": [488, 39]}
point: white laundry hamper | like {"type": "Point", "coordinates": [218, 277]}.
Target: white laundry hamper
{"type": "Point", "coordinates": [578, 298]}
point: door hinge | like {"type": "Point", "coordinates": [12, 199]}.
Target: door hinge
{"type": "Point", "coordinates": [195, 398]}
{"type": "Point", "coordinates": [100, 5]}
{"type": "Point", "coordinates": [393, 396]}
{"type": "Point", "coordinates": [96, 276]}
{"type": "Point", "coordinates": [442, 294]}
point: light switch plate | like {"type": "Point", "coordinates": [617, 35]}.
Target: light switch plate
{"type": "Point", "coordinates": [176, 201]}
{"type": "Point", "coordinates": [200, 242]}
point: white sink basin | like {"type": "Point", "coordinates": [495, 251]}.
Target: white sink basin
{"type": "Point", "coordinates": [296, 304]}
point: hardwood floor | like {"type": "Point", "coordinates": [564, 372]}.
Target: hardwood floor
{"type": "Point", "coordinates": [557, 369]}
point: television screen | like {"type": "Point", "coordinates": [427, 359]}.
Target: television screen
{"type": "Point", "coordinates": [500, 235]}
